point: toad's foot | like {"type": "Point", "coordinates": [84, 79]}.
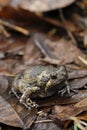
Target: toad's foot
{"type": "Point", "coordinates": [67, 90]}
{"type": "Point", "coordinates": [62, 92]}
{"type": "Point", "coordinates": [28, 107]}
{"type": "Point", "coordinates": [31, 103]}
{"type": "Point", "coordinates": [25, 104]}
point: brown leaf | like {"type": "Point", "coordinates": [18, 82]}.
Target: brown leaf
{"type": "Point", "coordinates": [4, 3]}
{"type": "Point", "coordinates": [40, 6]}
{"type": "Point", "coordinates": [11, 111]}
{"type": "Point", "coordinates": [82, 103]}
{"type": "Point", "coordinates": [38, 49]}
{"type": "Point", "coordinates": [54, 50]}
{"type": "Point", "coordinates": [78, 83]}
{"type": "Point", "coordinates": [3, 84]}
{"type": "Point", "coordinates": [83, 116]}
{"type": "Point", "coordinates": [77, 73]}
{"type": "Point", "coordinates": [63, 100]}
{"type": "Point", "coordinates": [13, 50]}
{"type": "Point", "coordinates": [32, 21]}
{"type": "Point", "coordinates": [65, 51]}
{"type": "Point", "coordinates": [8, 115]}
{"type": "Point", "coordinates": [65, 112]}
{"type": "Point", "coordinates": [31, 53]}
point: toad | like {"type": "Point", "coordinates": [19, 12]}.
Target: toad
{"type": "Point", "coordinates": [39, 81]}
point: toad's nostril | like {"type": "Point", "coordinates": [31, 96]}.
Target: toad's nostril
{"type": "Point", "coordinates": [53, 76]}
{"type": "Point", "coordinates": [63, 74]}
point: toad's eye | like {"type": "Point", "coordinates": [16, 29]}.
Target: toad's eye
{"type": "Point", "coordinates": [53, 76]}
{"type": "Point", "coordinates": [63, 74]}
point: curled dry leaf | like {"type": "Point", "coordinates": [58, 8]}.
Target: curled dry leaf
{"type": "Point", "coordinates": [56, 51]}
{"type": "Point", "coordinates": [73, 74]}
{"type": "Point", "coordinates": [78, 83]}
{"type": "Point", "coordinates": [8, 115]}
{"type": "Point", "coordinates": [41, 6]}
{"type": "Point", "coordinates": [82, 103]}
{"type": "Point", "coordinates": [85, 39]}
{"type": "Point", "coordinates": [4, 3]}
{"type": "Point", "coordinates": [11, 111]}
{"type": "Point", "coordinates": [63, 100]}
{"type": "Point", "coordinates": [3, 84]}
{"type": "Point", "coordinates": [65, 112]}
{"type": "Point", "coordinates": [65, 51]}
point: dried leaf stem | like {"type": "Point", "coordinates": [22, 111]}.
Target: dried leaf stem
{"type": "Point", "coordinates": [83, 60]}
{"type": "Point", "coordinates": [80, 124]}
{"type": "Point", "coordinates": [44, 49]}
{"type": "Point", "coordinates": [14, 27]}
{"type": "Point", "coordinates": [43, 121]}
{"type": "Point", "coordinates": [66, 27]}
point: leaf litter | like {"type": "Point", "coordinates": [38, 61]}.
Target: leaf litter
{"type": "Point", "coordinates": [28, 38]}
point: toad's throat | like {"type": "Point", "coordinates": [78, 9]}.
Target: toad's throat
{"type": "Point", "coordinates": [54, 86]}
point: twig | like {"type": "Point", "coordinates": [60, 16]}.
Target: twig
{"type": "Point", "coordinates": [43, 121]}
{"type": "Point", "coordinates": [83, 123]}
{"type": "Point", "coordinates": [51, 61]}
{"type": "Point", "coordinates": [44, 49]}
{"type": "Point", "coordinates": [3, 31]}
{"type": "Point", "coordinates": [14, 27]}
{"type": "Point", "coordinates": [84, 61]}
{"type": "Point", "coordinates": [52, 32]}
{"type": "Point", "coordinates": [66, 27]}
{"type": "Point", "coordinates": [42, 113]}
{"type": "Point", "coordinates": [79, 123]}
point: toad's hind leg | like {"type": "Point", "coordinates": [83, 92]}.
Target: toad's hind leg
{"type": "Point", "coordinates": [25, 100]}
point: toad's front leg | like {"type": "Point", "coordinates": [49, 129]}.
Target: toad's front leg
{"type": "Point", "coordinates": [25, 100]}
{"type": "Point", "coordinates": [67, 90]}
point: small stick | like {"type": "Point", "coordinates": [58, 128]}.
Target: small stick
{"type": "Point", "coordinates": [41, 48]}
{"type": "Point", "coordinates": [43, 121]}
{"type": "Point", "coordinates": [84, 61]}
{"type": "Point", "coordinates": [14, 27]}
{"type": "Point", "coordinates": [51, 61]}
{"type": "Point", "coordinates": [44, 49]}
{"type": "Point", "coordinates": [79, 123]}
{"type": "Point", "coordinates": [67, 29]}
{"type": "Point", "coordinates": [3, 31]}
{"type": "Point", "coordinates": [83, 123]}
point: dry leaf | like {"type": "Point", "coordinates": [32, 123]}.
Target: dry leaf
{"type": "Point", "coordinates": [41, 6]}
{"type": "Point", "coordinates": [65, 112]}
{"type": "Point", "coordinates": [11, 111]}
